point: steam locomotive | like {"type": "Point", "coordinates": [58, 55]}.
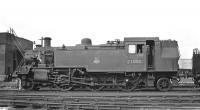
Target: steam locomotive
{"type": "Point", "coordinates": [136, 62]}
{"type": "Point", "coordinates": [128, 65]}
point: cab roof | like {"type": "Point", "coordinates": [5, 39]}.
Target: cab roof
{"type": "Point", "coordinates": [133, 39]}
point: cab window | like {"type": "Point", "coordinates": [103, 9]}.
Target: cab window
{"type": "Point", "coordinates": [131, 49]}
{"type": "Point", "coordinates": [139, 48]}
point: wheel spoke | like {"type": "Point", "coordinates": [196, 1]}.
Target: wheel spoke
{"type": "Point", "coordinates": [163, 84]}
{"type": "Point", "coordinates": [66, 87]}
{"type": "Point", "coordinates": [27, 84]}
{"type": "Point", "coordinates": [128, 86]}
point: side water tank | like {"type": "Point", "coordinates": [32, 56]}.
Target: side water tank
{"type": "Point", "coordinates": [86, 41]}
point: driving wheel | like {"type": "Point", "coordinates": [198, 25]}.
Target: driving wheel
{"type": "Point", "coordinates": [163, 84]}
{"type": "Point", "coordinates": [128, 86]}
{"type": "Point", "coordinates": [66, 87]}
{"type": "Point", "coordinates": [27, 84]}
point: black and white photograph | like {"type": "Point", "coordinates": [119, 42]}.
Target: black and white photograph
{"type": "Point", "coordinates": [100, 55]}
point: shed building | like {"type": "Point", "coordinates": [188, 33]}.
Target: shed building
{"type": "Point", "coordinates": [11, 53]}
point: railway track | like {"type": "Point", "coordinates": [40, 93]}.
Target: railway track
{"type": "Point", "coordinates": [101, 100]}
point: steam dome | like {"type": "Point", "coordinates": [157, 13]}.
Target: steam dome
{"type": "Point", "coordinates": [86, 41]}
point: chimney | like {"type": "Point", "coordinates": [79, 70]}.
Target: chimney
{"type": "Point", "coordinates": [47, 42]}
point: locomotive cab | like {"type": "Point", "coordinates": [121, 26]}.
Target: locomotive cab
{"type": "Point", "coordinates": [156, 60]}
{"type": "Point", "coordinates": [141, 53]}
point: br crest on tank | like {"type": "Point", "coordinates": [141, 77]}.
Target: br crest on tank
{"type": "Point", "coordinates": [136, 62]}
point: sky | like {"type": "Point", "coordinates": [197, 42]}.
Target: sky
{"type": "Point", "coordinates": [68, 21]}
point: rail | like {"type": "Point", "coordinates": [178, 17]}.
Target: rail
{"type": "Point", "coordinates": [102, 101]}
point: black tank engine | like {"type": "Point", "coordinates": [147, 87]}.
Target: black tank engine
{"type": "Point", "coordinates": [136, 62]}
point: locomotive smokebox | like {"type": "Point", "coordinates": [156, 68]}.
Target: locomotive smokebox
{"type": "Point", "coordinates": [47, 42]}
{"type": "Point", "coordinates": [86, 41]}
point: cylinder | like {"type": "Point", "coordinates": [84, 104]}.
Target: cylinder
{"type": "Point", "coordinates": [47, 42]}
